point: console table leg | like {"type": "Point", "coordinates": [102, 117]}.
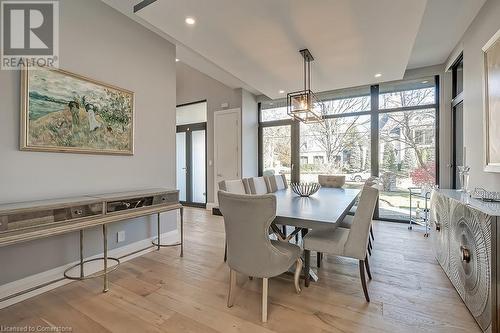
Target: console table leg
{"type": "Point", "coordinates": [105, 237]}
{"type": "Point", "coordinates": [81, 254]}
{"type": "Point", "coordinates": [182, 231]}
{"type": "Point", "coordinates": [158, 247]}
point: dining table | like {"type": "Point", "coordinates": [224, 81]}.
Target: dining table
{"type": "Point", "coordinates": [324, 209]}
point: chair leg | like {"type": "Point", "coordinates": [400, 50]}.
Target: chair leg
{"type": "Point", "coordinates": [319, 256]}
{"type": "Point", "coordinates": [265, 286]}
{"type": "Point", "coordinates": [232, 286]}
{"type": "Point", "coordinates": [367, 266]}
{"type": "Point", "coordinates": [225, 252]}
{"type": "Point", "coordinates": [307, 255]}
{"type": "Point", "coordinates": [296, 277]}
{"type": "Point", "coordinates": [371, 232]}
{"type": "Point", "coordinates": [284, 230]}
{"type": "Point", "coordinates": [363, 279]}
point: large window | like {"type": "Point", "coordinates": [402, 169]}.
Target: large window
{"type": "Point", "coordinates": [403, 151]}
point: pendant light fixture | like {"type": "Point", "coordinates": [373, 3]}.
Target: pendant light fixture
{"type": "Point", "coordinates": [303, 105]}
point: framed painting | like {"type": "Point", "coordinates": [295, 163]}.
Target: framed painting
{"type": "Point", "coordinates": [66, 112]}
{"type": "Point", "coordinates": [492, 103]}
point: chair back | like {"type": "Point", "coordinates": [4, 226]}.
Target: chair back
{"type": "Point", "coordinates": [331, 181]}
{"type": "Point", "coordinates": [247, 219]}
{"type": "Point", "coordinates": [257, 185]}
{"type": "Point", "coordinates": [357, 240]}
{"type": "Point", "coordinates": [276, 182]}
{"type": "Point", "coordinates": [233, 186]}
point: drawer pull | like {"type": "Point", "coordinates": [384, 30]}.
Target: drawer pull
{"type": "Point", "coordinates": [465, 254]}
{"type": "Point", "coordinates": [78, 211]}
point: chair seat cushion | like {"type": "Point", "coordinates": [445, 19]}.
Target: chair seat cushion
{"type": "Point", "coordinates": [346, 222]}
{"type": "Point", "coordinates": [327, 240]}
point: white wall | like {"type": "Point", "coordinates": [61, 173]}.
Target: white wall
{"type": "Point", "coordinates": [193, 86]}
{"type": "Point", "coordinates": [98, 42]}
{"type": "Point", "coordinates": [484, 26]}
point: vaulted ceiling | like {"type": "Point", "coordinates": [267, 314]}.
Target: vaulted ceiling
{"type": "Point", "coordinates": [254, 44]}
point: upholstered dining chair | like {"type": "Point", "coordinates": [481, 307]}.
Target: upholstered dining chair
{"type": "Point", "coordinates": [257, 185]}
{"type": "Point", "coordinates": [276, 182]}
{"type": "Point", "coordinates": [331, 181]}
{"type": "Point", "coordinates": [234, 186]}
{"type": "Point", "coordinates": [247, 219]}
{"type": "Point", "coordinates": [345, 242]}
{"type": "Point", "coordinates": [238, 186]}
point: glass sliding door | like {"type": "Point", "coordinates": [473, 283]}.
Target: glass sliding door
{"type": "Point", "coordinates": [181, 165]}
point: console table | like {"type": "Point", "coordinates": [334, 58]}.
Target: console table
{"type": "Point", "coordinates": [465, 240]}
{"type": "Point", "coordinates": [26, 221]}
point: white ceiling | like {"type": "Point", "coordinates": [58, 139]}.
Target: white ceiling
{"type": "Point", "coordinates": [443, 24]}
{"type": "Point", "coordinates": [254, 44]}
{"type": "Point", "coordinates": [258, 41]}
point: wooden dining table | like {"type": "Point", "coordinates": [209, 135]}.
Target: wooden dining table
{"type": "Point", "coordinates": [324, 209]}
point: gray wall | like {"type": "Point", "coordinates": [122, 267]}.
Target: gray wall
{"type": "Point", "coordinates": [249, 134]}
{"type": "Point", "coordinates": [484, 26]}
{"type": "Point", "coordinates": [98, 42]}
{"type": "Point", "coordinates": [192, 86]}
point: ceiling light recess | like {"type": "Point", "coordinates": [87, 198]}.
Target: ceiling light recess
{"type": "Point", "coordinates": [378, 75]}
{"type": "Point", "coordinates": [303, 105]}
{"type": "Point", "coordinates": [190, 20]}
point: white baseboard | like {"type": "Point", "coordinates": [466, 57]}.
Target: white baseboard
{"type": "Point", "coordinates": [211, 205]}
{"type": "Point", "coordinates": [32, 281]}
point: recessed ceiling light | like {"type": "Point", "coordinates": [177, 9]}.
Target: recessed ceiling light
{"type": "Point", "coordinates": [176, 59]}
{"type": "Point", "coordinates": [424, 82]}
{"type": "Point", "coordinates": [281, 91]}
{"type": "Point", "coordinates": [190, 20]}
{"type": "Point", "coordinates": [271, 103]}
{"type": "Point", "coordinates": [378, 75]}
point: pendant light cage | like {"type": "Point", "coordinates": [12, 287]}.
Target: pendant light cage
{"type": "Point", "coordinates": [304, 105]}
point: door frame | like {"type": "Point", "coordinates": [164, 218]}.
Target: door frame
{"type": "Point", "coordinates": [188, 129]}
{"type": "Point", "coordinates": [457, 99]}
{"type": "Point", "coordinates": [216, 114]}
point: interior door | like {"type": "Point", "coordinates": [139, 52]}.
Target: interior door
{"type": "Point", "coordinates": [227, 142]}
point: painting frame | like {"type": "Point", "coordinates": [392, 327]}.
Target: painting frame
{"type": "Point", "coordinates": [489, 165]}
{"type": "Point", "coordinates": [25, 117]}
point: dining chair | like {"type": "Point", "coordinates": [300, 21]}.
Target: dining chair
{"type": "Point", "coordinates": [238, 186]}
{"type": "Point", "coordinates": [351, 243]}
{"type": "Point", "coordinates": [331, 181]}
{"type": "Point", "coordinates": [247, 219]}
{"type": "Point", "coordinates": [257, 185]}
{"type": "Point", "coordinates": [234, 186]}
{"type": "Point", "coordinates": [276, 182]}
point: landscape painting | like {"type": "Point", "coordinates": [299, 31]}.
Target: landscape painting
{"type": "Point", "coordinates": [66, 112]}
{"type": "Point", "coordinates": [492, 103]}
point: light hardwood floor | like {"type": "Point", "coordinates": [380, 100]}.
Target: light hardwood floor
{"type": "Point", "coordinates": [160, 292]}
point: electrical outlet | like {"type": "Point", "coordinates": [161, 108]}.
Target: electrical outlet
{"type": "Point", "coordinates": [120, 236]}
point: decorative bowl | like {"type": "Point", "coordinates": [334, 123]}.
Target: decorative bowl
{"type": "Point", "coordinates": [305, 189]}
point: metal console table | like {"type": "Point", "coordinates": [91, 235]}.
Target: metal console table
{"type": "Point", "coordinates": [26, 221]}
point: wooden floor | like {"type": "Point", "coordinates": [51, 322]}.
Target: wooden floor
{"type": "Point", "coordinates": [160, 292]}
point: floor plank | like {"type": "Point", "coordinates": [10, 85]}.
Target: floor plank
{"type": "Point", "coordinates": [160, 292]}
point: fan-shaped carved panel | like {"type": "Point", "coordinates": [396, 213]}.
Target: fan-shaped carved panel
{"type": "Point", "coordinates": [440, 221]}
{"type": "Point", "coordinates": [470, 263]}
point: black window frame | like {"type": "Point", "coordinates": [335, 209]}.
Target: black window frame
{"type": "Point", "coordinates": [374, 114]}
